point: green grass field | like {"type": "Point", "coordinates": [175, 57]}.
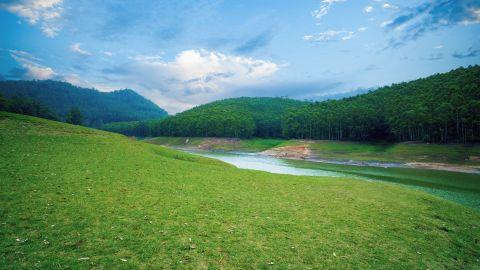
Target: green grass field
{"type": "Point", "coordinates": [78, 198]}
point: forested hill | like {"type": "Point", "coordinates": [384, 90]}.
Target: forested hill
{"type": "Point", "coordinates": [97, 107]}
{"type": "Point", "coordinates": [440, 108]}
{"type": "Point", "coordinates": [235, 117]}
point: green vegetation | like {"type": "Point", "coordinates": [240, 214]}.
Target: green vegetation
{"type": "Point", "coordinates": [74, 117]}
{"type": "Point", "coordinates": [236, 117]}
{"type": "Point", "coordinates": [440, 108]}
{"type": "Point", "coordinates": [460, 187]}
{"type": "Point", "coordinates": [74, 197]}
{"type": "Point", "coordinates": [97, 107]}
{"type": "Point", "coordinates": [26, 106]}
{"type": "Point", "coordinates": [244, 145]}
{"type": "Point", "coordinates": [398, 152]}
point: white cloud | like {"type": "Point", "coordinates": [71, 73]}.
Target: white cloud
{"type": "Point", "coordinates": [324, 8]}
{"type": "Point", "coordinates": [475, 17]}
{"type": "Point", "coordinates": [44, 12]}
{"type": "Point", "coordinates": [107, 53]}
{"type": "Point", "coordinates": [329, 36]}
{"type": "Point", "coordinates": [362, 29]}
{"type": "Point", "coordinates": [76, 47]}
{"type": "Point", "coordinates": [389, 6]}
{"type": "Point", "coordinates": [438, 47]}
{"type": "Point", "coordinates": [368, 9]}
{"type": "Point", "coordinates": [32, 68]}
{"type": "Point", "coordinates": [191, 78]}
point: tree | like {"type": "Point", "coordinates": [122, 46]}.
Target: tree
{"type": "Point", "coordinates": [3, 103]}
{"type": "Point", "coordinates": [75, 117]}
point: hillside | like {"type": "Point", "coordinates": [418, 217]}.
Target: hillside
{"type": "Point", "coordinates": [97, 107]}
{"type": "Point", "coordinates": [81, 198]}
{"type": "Point", "coordinates": [440, 108]}
{"type": "Point", "coordinates": [236, 117]}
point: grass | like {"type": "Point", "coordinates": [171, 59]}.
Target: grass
{"type": "Point", "coordinates": [245, 145]}
{"type": "Point", "coordinates": [398, 152]}
{"type": "Point", "coordinates": [461, 187]}
{"type": "Point", "coordinates": [77, 198]}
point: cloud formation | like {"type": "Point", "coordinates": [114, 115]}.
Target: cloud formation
{"type": "Point", "coordinates": [471, 52]}
{"type": "Point", "coordinates": [31, 67]}
{"type": "Point", "coordinates": [76, 48]}
{"type": "Point", "coordinates": [193, 76]}
{"type": "Point", "coordinates": [411, 23]}
{"type": "Point", "coordinates": [330, 36]}
{"type": "Point", "coordinates": [45, 13]}
{"type": "Point", "coordinates": [325, 6]}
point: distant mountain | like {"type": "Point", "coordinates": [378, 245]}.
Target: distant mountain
{"type": "Point", "coordinates": [97, 107]}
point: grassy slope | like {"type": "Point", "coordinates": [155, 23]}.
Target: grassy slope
{"type": "Point", "coordinates": [70, 193]}
{"type": "Point", "coordinates": [399, 152]}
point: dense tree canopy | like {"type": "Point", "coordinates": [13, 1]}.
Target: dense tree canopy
{"type": "Point", "coordinates": [440, 108]}
{"type": "Point", "coordinates": [74, 116]}
{"type": "Point", "coordinates": [97, 107]}
{"type": "Point", "coordinates": [237, 117]}
{"type": "Point", "coordinates": [22, 105]}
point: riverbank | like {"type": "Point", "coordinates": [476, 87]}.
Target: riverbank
{"type": "Point", "coordinates": [447, 157]}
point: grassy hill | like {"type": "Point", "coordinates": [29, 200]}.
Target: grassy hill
{"type": "Point", "coordinates": [74, 197]}
{"type": "Point", "coordinates": [97, 107]}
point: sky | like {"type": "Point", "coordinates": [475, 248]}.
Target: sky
{"type": "Point", "coordinates": [183, 53]}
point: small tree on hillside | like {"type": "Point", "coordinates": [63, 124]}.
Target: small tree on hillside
{"type": "Point", "coordinates": [75, 117]}
{"type": "Point", "coordinates": [3, 103]}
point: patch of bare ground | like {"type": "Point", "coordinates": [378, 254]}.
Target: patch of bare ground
{"type": "Point", "coordinates": [301, 151]}
{"type": "Point", "coordinates": [212, 143]}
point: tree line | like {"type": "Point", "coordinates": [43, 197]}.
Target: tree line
{"type": "Point", "coordinates": [440, 108]}
{"type": "Point", "coordinates": [22, 105]}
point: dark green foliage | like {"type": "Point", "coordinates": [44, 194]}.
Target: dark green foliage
{"type": "Point", "coordinates": [26, 106]}
{"type": "Point", "coordinates": [97, 107]}
{"type": "Point", "coordinates": [440, 108]}
{"type": "Point", "coordinates": [3, 103]}
{"type": "Point", "coordinates": [237, 117]}
{"type": "Point", "coordinates": [74, 117]}
{"type": "Point", "coordinates": [134, 128]}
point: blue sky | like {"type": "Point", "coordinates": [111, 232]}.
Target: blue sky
{"type": "Point", "coordinates": [184, 53]}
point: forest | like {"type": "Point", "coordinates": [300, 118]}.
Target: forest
{"type": "Point", "coordinates": [96, 107]}
{"type": "Point", "coordinates": [440, 108]}
{"type": "Point", "coordinates": [237, 117]}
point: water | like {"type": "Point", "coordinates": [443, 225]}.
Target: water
{"type": "Point", "coordinates": [467, 196]}
{"type": "Point", "coordinates": [267, 164]}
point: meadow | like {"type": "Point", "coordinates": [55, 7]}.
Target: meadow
{"type": "Point", "coordinates": [78, 198]}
